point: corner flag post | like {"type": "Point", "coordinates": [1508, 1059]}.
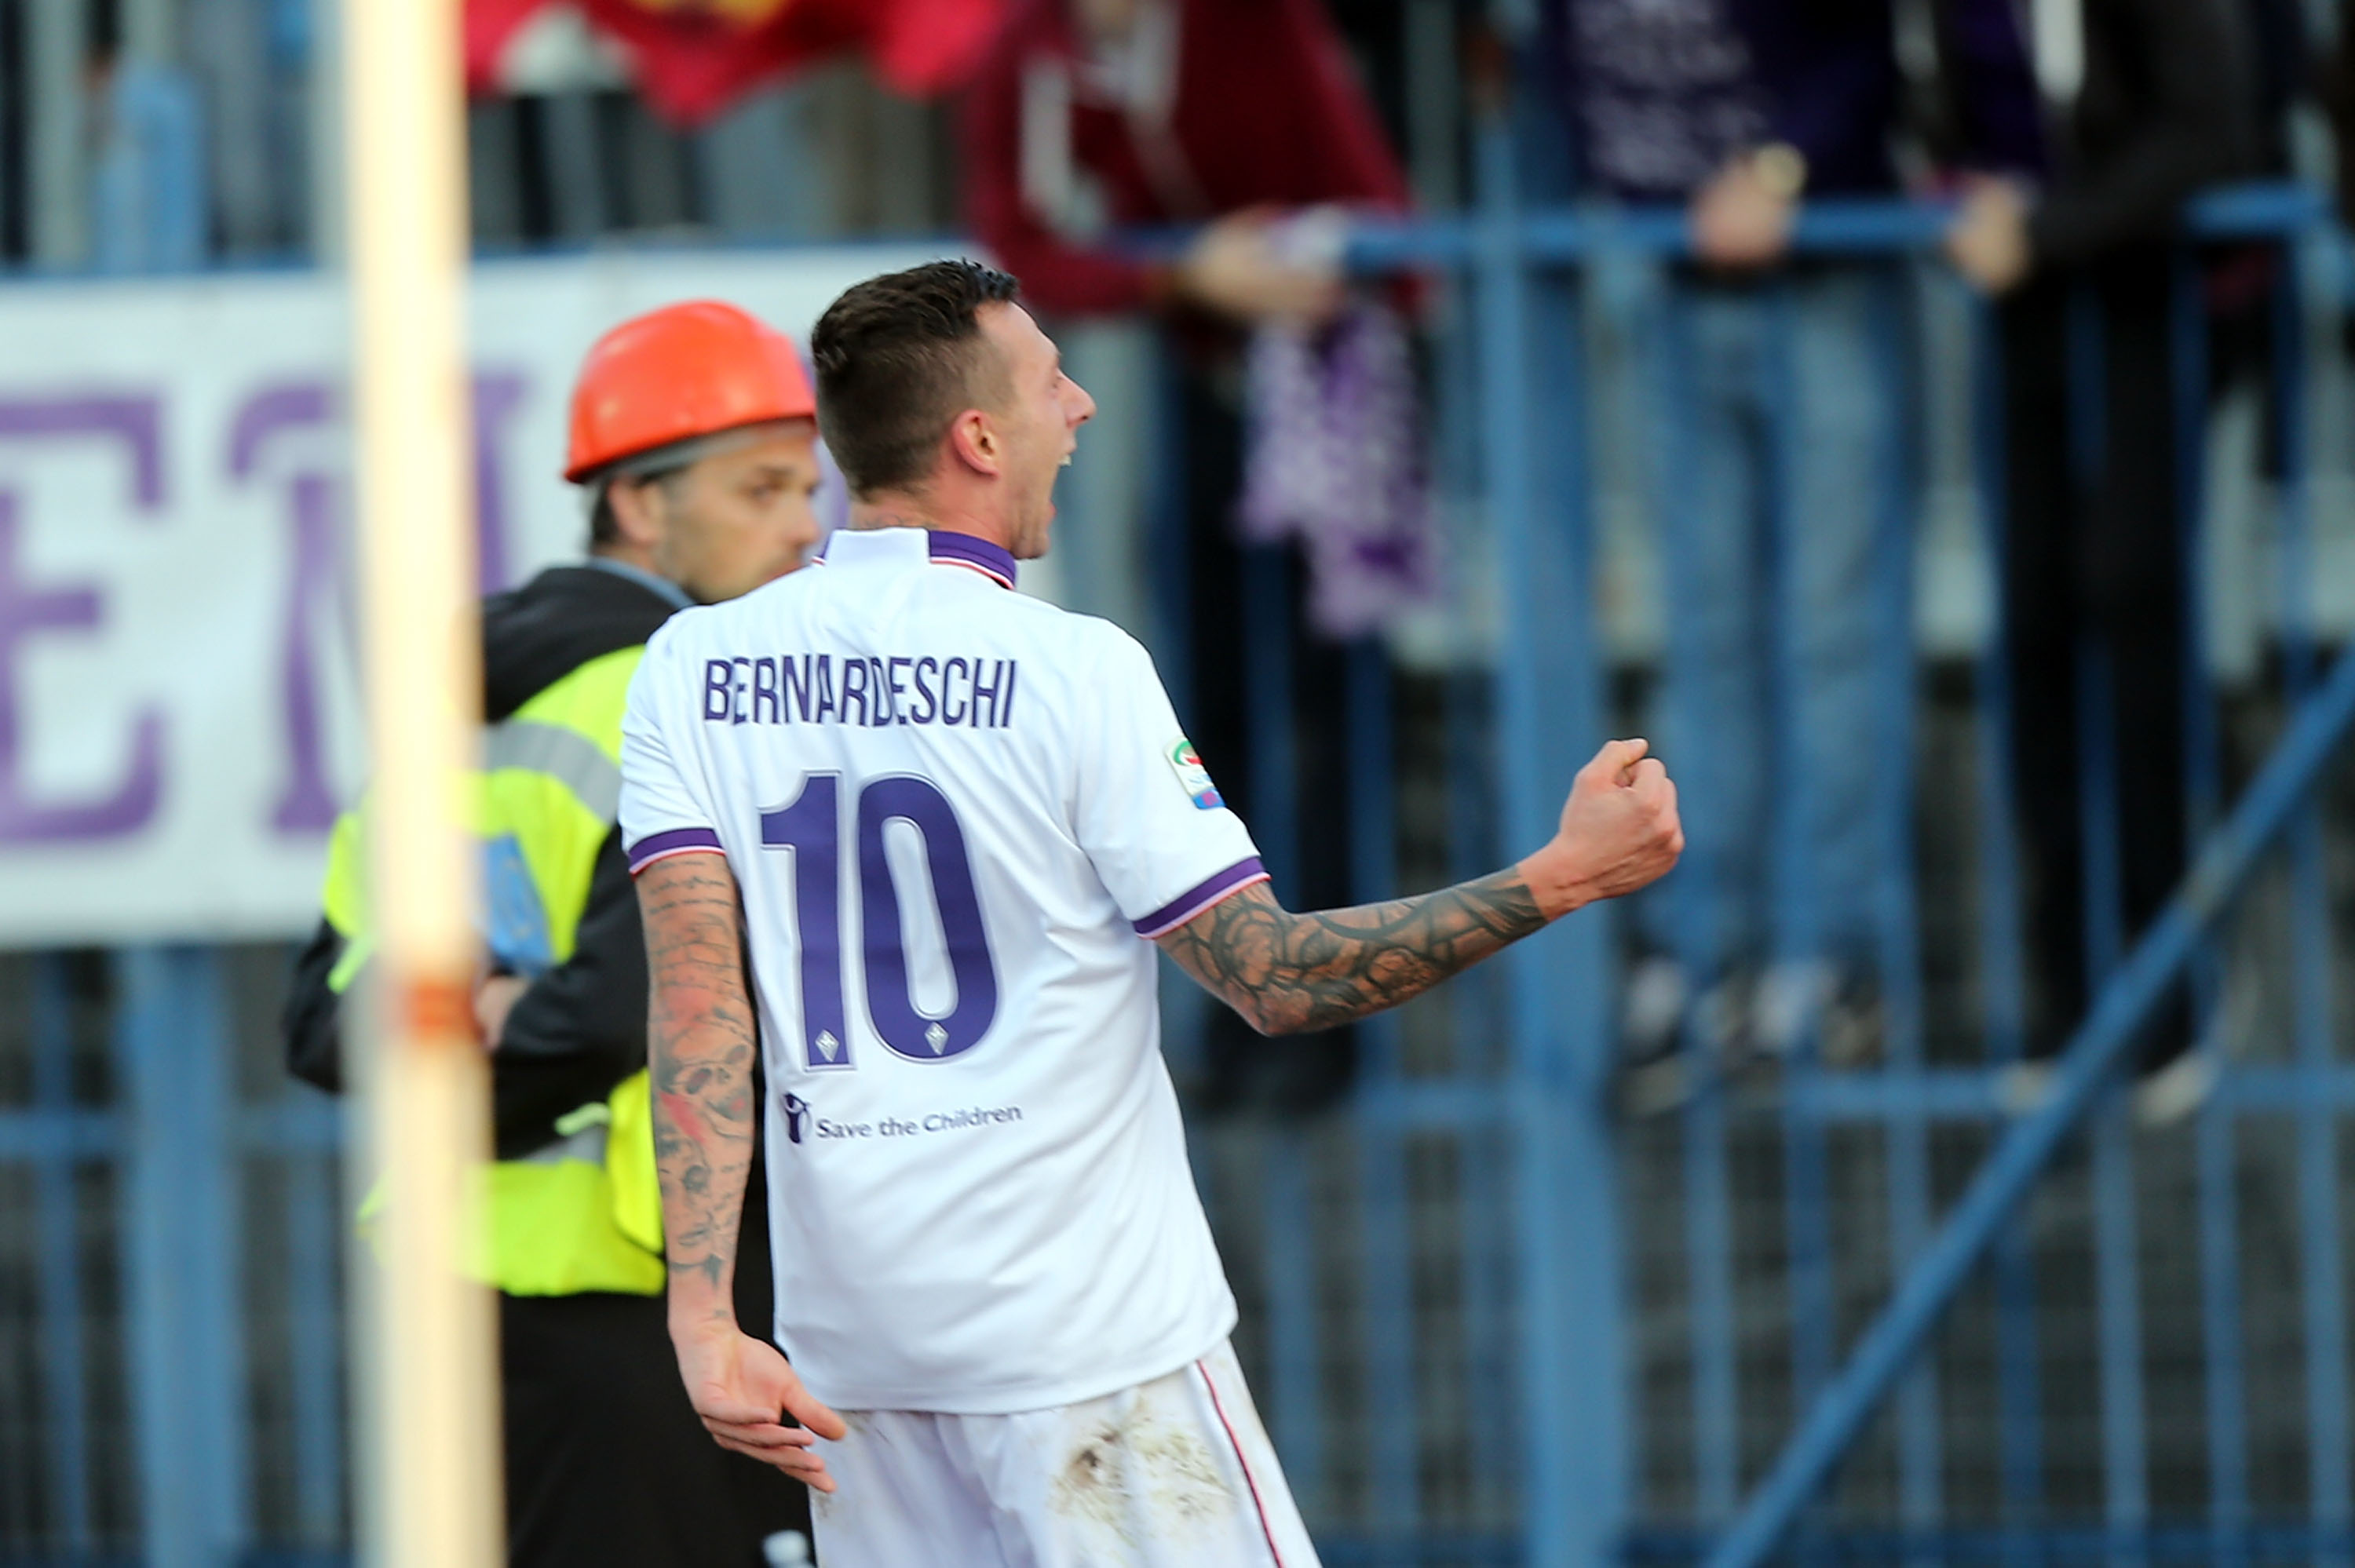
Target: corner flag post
{"type": "Point", "coordinates": [431, 1451]}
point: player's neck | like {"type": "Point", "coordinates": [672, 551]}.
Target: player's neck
{"type": "Point", "coordinates": [908, 512]}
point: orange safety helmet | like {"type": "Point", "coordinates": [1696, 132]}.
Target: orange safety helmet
{"type": "Point", "coordinates": [683, 371]}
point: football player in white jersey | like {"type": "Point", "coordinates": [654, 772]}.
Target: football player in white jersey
{"type": "Point", "coordinates": [947, 821]}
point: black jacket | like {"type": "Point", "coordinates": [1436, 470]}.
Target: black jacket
{"type": "Point", "coordinates": [2167, 105]}
{"type": "Point", "coordinates": [580, 1028]}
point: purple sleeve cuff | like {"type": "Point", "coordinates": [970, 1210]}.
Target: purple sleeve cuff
{"type": "Point", "coordinates": [1200, 896]}
{"type": "Point", "coordinates": [677, 841]}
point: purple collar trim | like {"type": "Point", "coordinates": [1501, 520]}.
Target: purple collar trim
{"type": "Point", "coordinates": [964, 550]}
{"type": "Point", "coordinates": [992, 561]}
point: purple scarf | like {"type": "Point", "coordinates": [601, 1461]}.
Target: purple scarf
{"type": "Point", "coordinates": [1334, 459]}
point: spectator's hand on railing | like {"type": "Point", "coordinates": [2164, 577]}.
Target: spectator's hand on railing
{"type": "Point", "coordinates": [1988, 242]}
{"type": "Point", "coordinates": [1234, 270]}
{"type": "Point", "coordinates": [1742, 219]}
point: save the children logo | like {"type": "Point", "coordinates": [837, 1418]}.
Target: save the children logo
{"type": "Point", "coordinates": [1192, 776]}
{"type": "Point", "coordinates": [797, 1115]}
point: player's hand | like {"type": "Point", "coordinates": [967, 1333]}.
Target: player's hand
{"type": "Point", "coordinates": [744, 1389]}
{"type": "Point", "coordinates": [1619, 832]}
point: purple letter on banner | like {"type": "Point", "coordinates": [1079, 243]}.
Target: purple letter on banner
{"type": "Point", "coordinates": [305, 802]}
{"type": "Point", "coordinates": [497, 395]}
{"type": "Point", "coordinates": [26, 610]}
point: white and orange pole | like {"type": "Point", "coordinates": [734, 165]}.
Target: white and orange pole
{"type": "Point", "coordinates": [431, 1447]}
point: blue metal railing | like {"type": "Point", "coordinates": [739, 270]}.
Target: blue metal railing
{"type": "Point", "coordinates": [181, 1149]}
{"type": "Point", "coordinates": [1576, 1493]}
{"type": "Point", "coordinates": [1489, 1310]}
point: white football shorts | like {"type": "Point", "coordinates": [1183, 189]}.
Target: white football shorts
{"type": "Point", "coordinates": [1175, 1473]}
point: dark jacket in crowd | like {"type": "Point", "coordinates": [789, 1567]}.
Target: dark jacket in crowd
{"type": "Point", "coordinates": [2168, 104]}
{"type": "Point", "coordinates": [1265, 109]}
{"type": "Point", "coordinates": [1821, 76]}
{"type": "Point", "coordinates": [580, 1029]}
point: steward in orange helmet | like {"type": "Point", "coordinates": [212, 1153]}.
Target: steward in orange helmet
{"type": "Point", "coordinates": [694, 439]}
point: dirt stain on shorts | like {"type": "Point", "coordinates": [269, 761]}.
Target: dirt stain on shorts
{"type": "Point", "coordinates": [1141, 1475]}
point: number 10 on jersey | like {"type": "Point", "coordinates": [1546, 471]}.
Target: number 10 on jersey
{"type": "Point", "coordinates": [811, 825]}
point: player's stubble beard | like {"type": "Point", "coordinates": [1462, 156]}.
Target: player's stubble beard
{"type": "Point", "coordinates": [1034, 527]}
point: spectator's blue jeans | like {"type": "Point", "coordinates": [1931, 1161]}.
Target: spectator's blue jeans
{"type": "Point", "coordinates": [1782, 446]}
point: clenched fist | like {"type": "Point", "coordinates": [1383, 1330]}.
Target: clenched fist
{"type": "Point", "coordinates": [1619, 832]}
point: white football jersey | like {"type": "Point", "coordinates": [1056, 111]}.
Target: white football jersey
{"type": "Point", "coordinates": [955, 814]}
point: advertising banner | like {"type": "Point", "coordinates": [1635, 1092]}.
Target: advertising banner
{"type": "Point", "coordinates": [179, 688]}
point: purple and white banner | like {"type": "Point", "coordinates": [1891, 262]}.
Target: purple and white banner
{"type": "Point", "coordinates": [178, 696]}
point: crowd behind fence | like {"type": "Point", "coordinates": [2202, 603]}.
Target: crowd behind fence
{"type": "Point", "coordinates": [1513, 1298]}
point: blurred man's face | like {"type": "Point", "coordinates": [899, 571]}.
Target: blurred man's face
{"type": "Point", "coordinates": [1040, 421]}
{"type": "Point", "coordinates": [1109, 20]}
{"type": "Point", "coordinates": [727, 523]}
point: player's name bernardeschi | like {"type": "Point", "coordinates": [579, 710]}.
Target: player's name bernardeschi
{"type": "Point", "coordinates": [820, 688]}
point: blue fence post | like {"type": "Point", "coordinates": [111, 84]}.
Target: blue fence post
{"type": "Point", "coordinates": [2082, 1073]}
{"type": "Point", "coordinates": [1566, 1203]}
{"type": "Point", "coordinates": [1896, 912]}
{"type": "Point", "coordinates": [1385, 1218]}
{"type": "Point", "coordinates": [65, 1387]}
{"type": "Point", "coordinates": [2330, 1452]}
{"type": "Point", "coordinates": [2001, 945]}
{"type": "Point", "coordinates": [181, 1255]}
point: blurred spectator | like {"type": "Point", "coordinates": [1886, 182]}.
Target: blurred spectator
{"type": "Point", "coordinates": [2152, 99]}
{"type": "Point", "coordinates": [1091, 114]}
{"type": "Point", "coordinates": [1235, 115]}
{"type": "Point", "coordinates": [1782, 431]}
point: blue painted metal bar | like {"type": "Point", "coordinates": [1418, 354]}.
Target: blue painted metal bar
{"type": "Point", "coordinates": [1709, 1291]}
{"type": "Point", "coordinates": [2175, 1541]}
{"type": "Point", "coordinates": [181, 1255]}
{"type": "Point", "coordinates": [2331, 1447]}
{"type": "Point", "coordinates": [1168, 546]}
{"type": "Point", "coordinates": [1297, 1422]}
{"type": "Point", "coordinates": [2126, 1484]}
{"type": "Point", "coordinates": [1897, 923]}
{"type": "Point", "coordinates": [1708, 1227]}
{"type": "Point", "coordinates": [78, 1135]}
{"type": "Point", "coordinates": [1557, 236]}
{"type": "Point", "coordinates": [2001, 950]}
{"type": "Point", "coordinates": [1297, 1414]}
{"type": "Point", "coordinates": [65, 1387]}
{"type": "Point", "coordinates": [1274, 787]}
{"type": "Point", "coordinates": [2221, 1342]}
{"type": "Point", "coordinates": [1385, 1221]}
{"type": "Point", "coordinates": [2079, 1076]}
{"type": "Point", "coordinates": [315, 1343]}
{"type": "Point", "coordinates": [1298, 1410]}
{"type": "Point", "coordinates": [2125, 1492]}
{"type": "Point", "coordinates": [1794, 941]}
{"type": "Point", "coordinates": [1574, 1391]}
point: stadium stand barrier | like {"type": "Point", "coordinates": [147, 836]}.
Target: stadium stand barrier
{"type": "Point", "coordinates": [1493, 1317]}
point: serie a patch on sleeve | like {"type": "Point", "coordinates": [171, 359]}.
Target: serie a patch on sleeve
{"type": "Point", "coordinates": [1192, 776]}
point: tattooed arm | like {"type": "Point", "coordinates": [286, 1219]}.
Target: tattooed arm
{"type": "Point", "coordinates": [1286, 973]}
{"type": "Point", "coordinates": [700, 1043]}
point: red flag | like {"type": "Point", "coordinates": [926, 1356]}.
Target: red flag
{"type": "Point", "coordinates": [693, 57]}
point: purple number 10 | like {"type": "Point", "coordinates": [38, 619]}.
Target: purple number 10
{"type": "Point", "coordinates": [811, 826]}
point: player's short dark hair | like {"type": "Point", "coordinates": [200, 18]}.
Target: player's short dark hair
{"type": "Point", "coordinates": [899, 356]}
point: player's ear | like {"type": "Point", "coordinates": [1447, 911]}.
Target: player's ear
{"type": "Point", "coordinates": [974, 437]}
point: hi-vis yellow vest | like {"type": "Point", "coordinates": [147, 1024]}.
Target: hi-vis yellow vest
{"type": "Point", "coordinates": [584, 1213]}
